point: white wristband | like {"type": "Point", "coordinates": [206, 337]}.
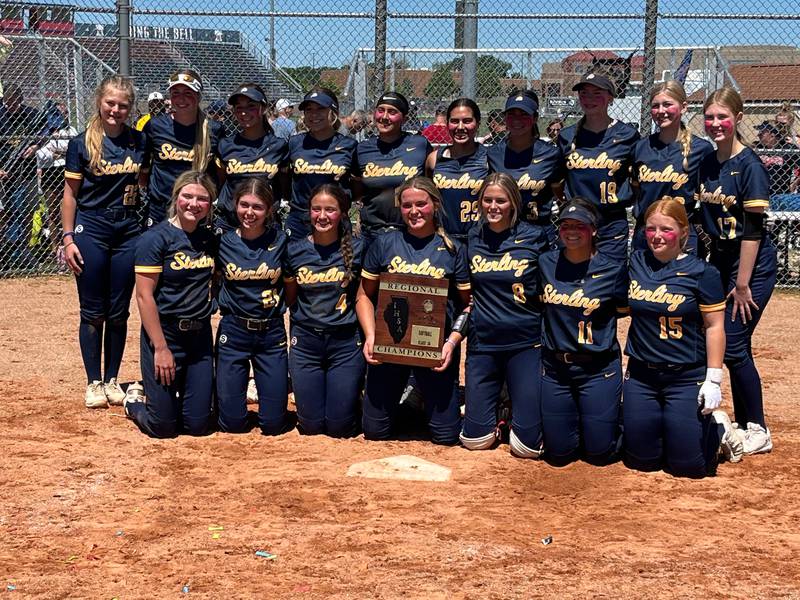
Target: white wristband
{"type": "Point", "coordinates": [714, 375]}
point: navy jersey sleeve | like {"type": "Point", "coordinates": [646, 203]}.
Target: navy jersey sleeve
{"type": "Point", "coordinates": [374, 260]}
{"type": "Point", "coordinates": [150, 252]}
{"type": "Point", "coordinates": [621, 290]}
{"type": "Point", "coordinates": [147, 130]}
{"type": "Point", "coordinates": [711, 295]}
{"type": "Point", "coordinates": [462, 268]}
{"type": "Point", "coordinates": [75, 159]}
{"type": "Point", "coordinates": [755, 185]}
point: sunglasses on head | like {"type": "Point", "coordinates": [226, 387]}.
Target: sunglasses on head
{"type": "Point", "coordinates": [182, 77]}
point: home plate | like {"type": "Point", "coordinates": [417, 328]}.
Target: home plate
{"type": "Point", "coordinates": [400, 467]}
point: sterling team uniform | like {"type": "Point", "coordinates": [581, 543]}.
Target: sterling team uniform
{"type": "Point", "coordinates": [400, 252]}
{"type": "Point", "coordinates": [598, 170]}
{"type": "Point", "coordinates": [664, 427]}
{"type": "Point", "coordinates": [313, 162]}
{"type": "Point", "coordinates": [658, 169]}
{"type": "Point", "coordinates": [184, 263]}
{"type": "Point", "coordinates": [504, 336]}
{"type": "Point", "coordinates": [535, 170]}
{"type": "Point", "coordinates": [252, 330]}
{"type": "Point", "coordinates": [106, 229]}
{"type": "Point", "coordinates": [727, 190]}
{"type": "Point", "coordinates": [240, 159]}
{"type": "Point", "coordinates": [170, 150]}
{"type": "Point", "coordinates": [459, 180]}
{"type": "Point", "coordinates": [582, 374]}
{"type": "Point", "coordinates": [326, 361]}
{"type": "Point", "coordinates": [382, 167]}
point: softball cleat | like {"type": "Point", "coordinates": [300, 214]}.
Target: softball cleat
{"type": "Point", "coordinates": [95, 396]}
{"type": "Point", "coordinates": [114, 392]}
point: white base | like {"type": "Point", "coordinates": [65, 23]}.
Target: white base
{"type": "Point", "coordinates": [404, 466]}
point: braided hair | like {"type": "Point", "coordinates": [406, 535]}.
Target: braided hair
{"type": "Point", "coordinates": [674, 90]}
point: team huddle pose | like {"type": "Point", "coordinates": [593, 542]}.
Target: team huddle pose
{"type": "Point", "coordinates": [537, 300]}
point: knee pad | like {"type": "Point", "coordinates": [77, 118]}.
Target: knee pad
{"type": "Point", "coordinates": [480, 443]}
{"type": "Point", "coordinates": [520, 450]}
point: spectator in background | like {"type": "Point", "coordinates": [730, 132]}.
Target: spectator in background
{"type": "Point", "coordinates": [21, 129]}
{"type": "Point", "coordinates": [497, 129]}
{"type": "Point", "coordinates": [354, 125]}
{"type": "Point", "coordinates": [553, 129]}
{"type": "Point", "coordinates": [50, 161]}
{"type": "Point", "coordinates": [283, 126]}
{"type": "Point", "coordinates": [785, 121]}
{"type": "Point", "coordinates": [437, 132]}
{"type": "Point", "coordinates": [156, 105]}
{"type": "Point", "coordinates": [781, 158]}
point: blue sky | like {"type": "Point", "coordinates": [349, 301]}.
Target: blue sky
{"type": "Point", "coordinates": [301, 41]}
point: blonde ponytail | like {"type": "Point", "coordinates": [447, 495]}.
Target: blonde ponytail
{"type": "Point", "coordinates": [202, 143]}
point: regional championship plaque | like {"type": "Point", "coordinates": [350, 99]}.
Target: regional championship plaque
{"type": "Point", "coordinates": [409, 322]}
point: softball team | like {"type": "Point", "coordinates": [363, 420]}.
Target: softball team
{"type": "Point", "coordinates": [322, 276]}
{"type": "Point", "coordinates": [541, 322]}
{"type": "Point", "coordinates": [251, 300]}
{"type": "Point", "coordinates": [317, 156]}
{"type": "Point", "coordinates": [176, 142]}
{"type": "Point", "coordinates": [733, 195]}
{"type": "Point", "coordinates": [598, 153]}
{"type": "Point", "coordinates": [254, 151]}
{"type": "Point", "coordinates": [100, 227]}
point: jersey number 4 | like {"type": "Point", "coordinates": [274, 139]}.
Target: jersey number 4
{"type": "Point", "coordinates": [341, 303]}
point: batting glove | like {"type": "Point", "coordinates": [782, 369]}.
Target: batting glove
{"type": "Point", "coordinates": [710, 396]}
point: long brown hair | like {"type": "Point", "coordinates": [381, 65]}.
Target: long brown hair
{"type": "Point", "coordinates": [345, 234]}
{"type": "Point", "coordinates": [255, 186]}
{"type": "Point", "coordinates": [424, 184]}
{"type": "Point", "coordinates": [94, 129]}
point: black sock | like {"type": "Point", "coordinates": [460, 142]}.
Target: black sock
{"type": "Point", "coordinates": [90, 337]}
{"type": "Point", "coordinates": [114, 347]}
{"type": "Point", "coordinates": [746, 388]}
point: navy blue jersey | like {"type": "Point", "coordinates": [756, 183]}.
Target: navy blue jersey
{"type": "Point", "coordinates": [504, 271]}
{"type": "Point", "coordinates": [600, 166]}
{"type": "Point", "coordinates": [170, 149]}
{"type": "Point", "coordinates": [185, 265]}
{"type": "Point", "coordinates": [400, 252]}
{"type": "Point", "coordinates": [666, 303]}
{"type": "Point", "coordinates": [459, 180]}
{"type": "Point", "coordinates": [252, 274]}
{"type": "Point", "coordinates": [727, 189]}
{"type": "Point", "coordinates": [313, 162]}
{"type": "Point", "coordinates": [535, 170]}
{"type": "Point", "coordinates": [658, 167]}
{"type": "Point", "coordinates": [581, 302]}
{"type": "Point", "coordinates": [383, 167]}
{"type": "Point", "coordinates": [318, 272]}
{"type": "Point", "coordinates": [241, 159]}
{"type": "Point", "coordinates": [114, 183]}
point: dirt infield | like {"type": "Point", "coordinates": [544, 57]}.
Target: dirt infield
{"type": "Point", "coordinates": [91, 508]}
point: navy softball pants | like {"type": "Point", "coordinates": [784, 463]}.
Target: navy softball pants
{"type": "Point", "coordinates": [384, 388]}
{"type": "Point", "coordinates": [185, 405]}
{"type": "Point", "coordinates": [237, 348]}
{"type": "Point", "coordinates": [327, 368]}
{"type": "Point", "coordinates": [581, 409]}
{"type": "Point", "coordinates": [485, 374]}
{"type": "Point", "coordinates": [664, 427]}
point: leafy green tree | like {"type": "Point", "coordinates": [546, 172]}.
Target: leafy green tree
{"type": "Point", "coordinates": [442, 84]}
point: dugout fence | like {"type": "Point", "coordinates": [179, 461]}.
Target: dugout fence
{"type": "Point", "coordinates": [431, 50]}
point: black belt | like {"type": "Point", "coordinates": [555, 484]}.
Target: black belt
{"type": "Point", "coordinates": [257, 324]}
{"type": "Point", "coordinates": [333, 330]}
{"type": "Point", "coordinates": [112, 214]}
{"type": "Point", "coordinates": [186, 324]}
{"type": "Point", "coordinates": [668, 366]}
{"type": "Point", "coordinates": [583, 358]}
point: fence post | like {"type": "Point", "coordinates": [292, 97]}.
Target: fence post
{"type": "Point", "coordinates": [469, 72]}
{"type": "Point", "coordinates": [124, 35]}
{"type": "Point", "coordinates": [649, 70]}
{"type": "Point", "coordinates": [380, 46]}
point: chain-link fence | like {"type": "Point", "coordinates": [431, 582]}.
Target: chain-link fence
{"type": "Point", "coordinates": [53, 55]}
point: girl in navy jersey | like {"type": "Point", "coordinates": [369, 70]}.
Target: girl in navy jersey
{"type": "Point", "coordinates": [423, 249]}
{"type": "Point", "coordinates": [666, 164]}
{"type": "Point", "coordinates": [733, 195]}
{"type": "Point", "coordinates": [458, 170]}
{"type": "Point", "coordinates": [504, 322]}
{"type": "Point", "coordinates": [598, 152]}
{"type": "Point", "coordinates": [102, 166]}
{"type": "Point", "coordinates": [254, 151]}
{"type": "Point", "coordinates": [676, 340]}
{"type": "Point", "coordinates": [177, 142]}
{"type": "Point", "coordinates": [385, 162]}
{"type": "Point", "coordinates": [174, 269]}
{"type": "Point", "coordinates": [582, 293]}
{"type": "Point", "coordinates": [535, 164]}
{"type": "Point", "coordinates": [251, 300]}
{"type": "Point", "coordinates": [320, 155]}
{"type": "Point", "coordinates": [326, 360]}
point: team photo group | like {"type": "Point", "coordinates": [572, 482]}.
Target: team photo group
{"type": "Point", "coordinates": [528, 235]}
